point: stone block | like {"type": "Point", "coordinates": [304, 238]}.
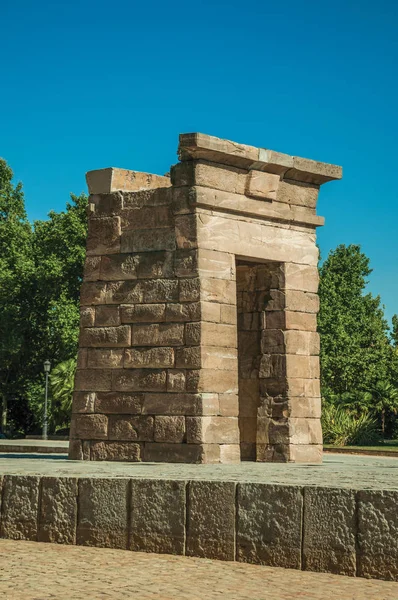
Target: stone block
{"type": "Point", "coordinates": [299, 301]}
{"type": "Point", "coordinates": [216, 380]}
{"type": "Point", "coordinates": [172, 404]}
{"type": "Point", "coordinates": [157, 516]}
{"type": "Point", "coordinates": [161, 290]}
{"type": "Point", "coordinates": [188, 357]}
{"type": "Point", "coordinates": [155, 265]}
{"type": "Point", "coordinates": [116, 451]}
{"type": "Point", "coordinates": [169, 429]}
{"type": "Point", "coordinates": [58, 510]}
{"type": "Point", "coordinates": [149, 358]}
{"type": "Point", "coordinates": [176, 380]}
{"type": "Point", "coordinates": [83, 402]}
{"type": "Point", "coordinates": [219, 358]}
{"type": "Point", "coordinates": [173, 453]}
{"type": "Point", "coordinates": [102, 514]}
{"type": "Point", "coordinates": [123, 292]}
{"type": "Point", "coordinates": [126, 428]}
{"type": "Point", "coordinates": [228, 314]}
{"type": "Point", "coordinates": [305, 407]}
{"type": "Point", "coordinates": [186, 232]}
{"type": "Point", "coordinates": [211, 525]}
{"type": "Point", "coordinates": [269, 525]}
{"type": "Point", "coordinates": [329, 530]}
{"type": "Point", "coordinates": [301, 342]}
{"type": "Point", "coordinates": [107, 316]}
{"type": "Point", "coordinates": [103, 181]}
{"type": "Point", "coordinates": [215, 264]}
{"type": "Point", "coordinates": [299, 387]}
{"type": "Point", "coordinates": [297, 193]}
{"type": "Point", "coordinates": [92, 266]}
{"type": "Point", "coordinates": [163, 334]}
{"type": "Point", "coordinates": [218, 290]}
{"type": "Point", "coordinates": [186, 263]}
{"type": "Point", "coordinates": [228, 405]}
{"type": "Point", "coordinates": [262, 185]}
{"type": "Point", "coordinates": [189, 290]}
{"type": "Point", "coordinates": [301, 277]}
{"type": "Point", "coordinates": [143, 313]}
{"type": "Point", "coordinates": [82, 358]}
{"type": "Point", "coordinates": [193, 334]}
{"type": "Point", "coordinates": [137, 380]}
{"type": "Point", "coordinates": [301, 321]}
{"type": "Point", "coordinates": [87, 316]}
{"type": "Point", "coordinates": [306, 367]}
{"type": "Point", "coordinates": [273, 341]}
{"type": "Point", "coordinates": [91, 427]}
{"type": "Point", "coordinates": [212, 430]}
{"type": "Point", "coordinates": [88, 380]}
{"type": "Point", "coordinates": [303, 453]}
{"type": "Point", "coordinates": [218, 334]}
{"type": "Point", "coordinates": [146, 217]}
{"type": "Point", "coordinates": [105, 204]}
{"type": "Point", "coordinates": [119, 267]}
{"type": "Point", "coordinates": [93, 292]}
{"type": "Point", "coordinates": [305, 430]}
{"type": "Point", "coordinates": [148, 240]}
{"type": "Point", "coordinates": [103, 236]}
{"type": "Point", "coordinates": [147, 197]}
{"type": "Point", "coordinates": [106, 336]}
{"type": "Point", "coordinates": [272, 366]}
{"type": "Point", "coordinates": [19, 509]}
{"type": "Point", "coordinates": [377, 534]}
{"type": "Point", "coordinates": [182, 312]}
{"type": "Point", "coordinates": [104, 358]}
{"type": "Point", "coordinates": [118, 403]}
{"type": "Point", "coordinates": [211, 311]}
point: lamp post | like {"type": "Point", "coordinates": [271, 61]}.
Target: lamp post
{"type": "Point", "coordinates": [47, 368]}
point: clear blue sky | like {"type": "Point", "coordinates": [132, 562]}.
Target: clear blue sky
{"type": "Point", "coordinates": [91, 84]}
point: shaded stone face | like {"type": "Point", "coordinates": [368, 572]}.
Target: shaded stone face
{"type": "Point", "coordinates": [198, 334]}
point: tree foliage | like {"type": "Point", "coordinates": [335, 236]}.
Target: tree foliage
{"type": "Point", "coordinates": [41, 269]}
{"type": "Point", "coordinates": [355, 348]}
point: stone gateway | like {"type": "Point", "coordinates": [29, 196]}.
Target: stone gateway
{"type": "Point", "coordinates": [199, 303]}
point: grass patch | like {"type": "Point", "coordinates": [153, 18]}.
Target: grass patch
{"type": "Point", "coordinates": [387, 446]}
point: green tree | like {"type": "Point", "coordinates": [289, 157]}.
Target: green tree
{"type": "Point", "coordinates": [61, 385]}
{"type": "Point", "coordinates": [385, 401]}
{"type": "Point", "coordinates": [16, 268]}
{"type": "Point", "coordinates": [355, 346]}
{"type": "Point", "coordinates": [58, 254]}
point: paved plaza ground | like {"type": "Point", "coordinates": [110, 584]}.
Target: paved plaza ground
{"type": "Point", "coordinates": [347, 471]}
{"type": "Point", "coordinates": [34, 571]}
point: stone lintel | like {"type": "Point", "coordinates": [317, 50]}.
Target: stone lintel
{"type": "Point", "coordinates": [111, 179]}
{"type": "Point", "coordinates": [195, 146]}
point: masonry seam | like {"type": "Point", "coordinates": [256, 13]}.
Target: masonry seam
{"type": "Point", "coordinates": [3, 479]}
{"type": "Point", "coordinates": [129, 506]}
{"type": "Point", "coordinates": [356, 500]}
{"type": "Point", "coordinates": [235, 558]}
{"type": "Point", "coordinates": [302, 565]}
{"type": "Point", "coordinates": [187, 496]}
{"type": "Point", "coordinates": [39, 500]}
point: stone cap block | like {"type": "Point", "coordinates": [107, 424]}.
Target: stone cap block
{"type": "Point", "coordinates": [195, 146]}
{"type": "Point", "coordinates": [105, 181]}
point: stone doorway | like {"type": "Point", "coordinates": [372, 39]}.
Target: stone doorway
{"type": "Point", "coordinates": [259, 307]}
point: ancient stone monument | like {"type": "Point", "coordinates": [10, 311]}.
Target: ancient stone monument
{"type": "Point", "coordinates": [198, 310]}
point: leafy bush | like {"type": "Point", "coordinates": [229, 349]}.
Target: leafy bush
{"type": "Point", "coordinates": [344, 429]}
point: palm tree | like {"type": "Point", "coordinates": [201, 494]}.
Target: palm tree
{"type": "Point", "coordinates": [62, 382]}
{"type": "Point", "coordinates": [385, 398]}
{"type": "Point", "coordinates": [358, 402]}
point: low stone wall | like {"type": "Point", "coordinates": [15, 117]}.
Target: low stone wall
{"type": "Point", "coordinates": [337, 530]}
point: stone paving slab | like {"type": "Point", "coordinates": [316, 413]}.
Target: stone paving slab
{"type": "Point", "coordinates": [345, 471]}
{"type": "Point", "coordinates": [32, 571]}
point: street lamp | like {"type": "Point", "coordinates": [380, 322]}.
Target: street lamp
{"type": "Point", "coordinates": [47, 368]}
